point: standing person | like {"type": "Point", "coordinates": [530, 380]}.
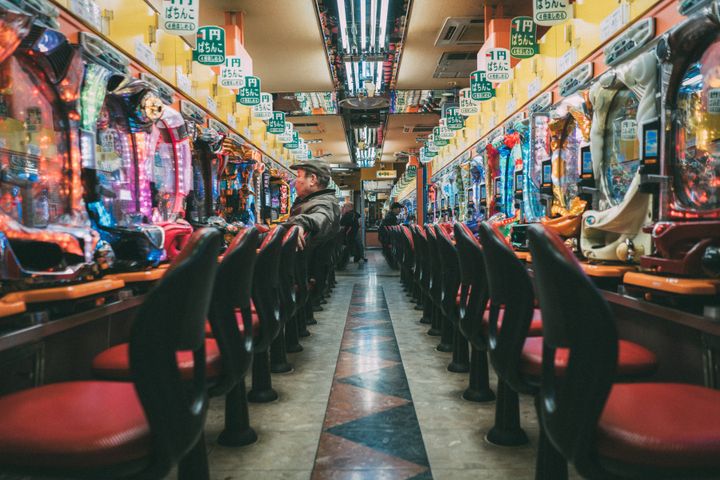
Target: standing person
{"type": "Point", "coordinates": [390, 220]}
{"type": "Point", "coordinates": [350, 222]}
{"type": "Point", "coordinates": [315, 210]}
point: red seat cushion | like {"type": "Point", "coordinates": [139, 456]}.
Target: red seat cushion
{"type": "Point", "coordinates": [73, 425]}
{"type": "Point", "coordinates": [114, 363]}
{"type": "Point", "coordinates": [241, 325]}
{"type": "Point", "coordinates": [633, 359]}
{"type": "Point", "coordinates": [662, 425]}
{"type": "Point", "coordinates": [535, 324]}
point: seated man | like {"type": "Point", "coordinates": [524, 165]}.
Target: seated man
{"type": "Point", "coordinates": [316, 209]}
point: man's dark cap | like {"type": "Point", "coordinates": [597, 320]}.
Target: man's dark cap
{"type": "Point", "coordinates": [318, 167]}
{"type": "Point", "coordinates": [396, 205]}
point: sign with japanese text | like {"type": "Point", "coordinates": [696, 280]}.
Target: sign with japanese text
{"type": "Point", "coordinates": [276, 124]}
{"type": "Point", "coordinates": [232, 73]}
{"type": "Point", "coordinates": [498, 65]}
{"type": "Point", "coordinates": [180, 17]}
{"type": "Point", "coordinates": [551, 12]}
{"type": "Point", "coordinates": [468, 106]}
{"type": "Point", "coordinates": [249, 95]}
{"type": "Point", "coordinates": [445, 132]}
{"type": "Point", "coordinates": [523, 37]}
{"type": "Point", "coordinates": [264, 109]}
{"type": "Point", "coordinates": [294, 143]}
{"type": "Point", "coordinates": [453, 119]}
{"type": "Point", "coordinates": [287, 134]}
{"type": "Point", "coordinates": [438, 139]}
{"type": "Point", "coordinates": [480, 88]}
{"type": "Point", "coordinates": [210, 46]}
{"type": "Point", "coordinates": [430, 144]}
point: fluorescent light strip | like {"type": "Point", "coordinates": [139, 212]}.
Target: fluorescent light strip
{"type": "Point", "coordinates": [363, 24]}
{"type": "Point", "coordinates": [343, 24]}
{"type": "Point", "coordinates": [383, 23]}
{"type": "Point", "coordinates": [379, 79]}
{"type": "Point", "coordinates": [373, 22]}
{"type": "Point", "coordinates": [357, 76]}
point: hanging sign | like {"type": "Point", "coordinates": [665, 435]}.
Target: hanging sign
{"type": "Point", "coordinates": [430, 144]}
{"type": "Point", "coordinates": [263, 110]}
{"type": "Point", "coordinates": [294, 143]}
{"type": "Point", "coordinates": [210, 46]}
{"type": "Point", "coordinates": [498, 65]}
{"type": "Point", "coordinates": [468, 106]}
{"type": "Point", "coordinates": [249, 95]}
{"type": "Point", "coordinates": [232, 73]}
{"type": "Point", "coordinates": [445, 132]}
{"type": "Point", "coordinates": [453, 119]}
{"type": "Point", "coordinates": [426, 152]}
{"type": "Point", "coordinates": [276, 124]}
{"type": "Point", "coordinates": [302, 150]}
{"type": "Point", "coordinates": [288, 132]}
{"type": "Point", "coordinates": [480, 89]}
{"type": "Point", "coordinates": [180, 17]}
{"type": "Point", "coordinates": [386, 174]}
{"type": "Point", "coordinates": [523, 37]}
{"type": "Point", "coordinates": [551, 12]}
{"type": "Point", "coordinates": [438, 140]}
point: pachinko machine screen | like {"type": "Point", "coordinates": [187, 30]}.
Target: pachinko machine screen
{"type": "Point", "coordinates": [621, 155]}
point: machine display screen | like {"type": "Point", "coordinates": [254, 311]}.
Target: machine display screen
{"type": "Point", "coordinates": [34, 185]}
{"type": "Point", "coordinates": [696, 166]}
{"type": "Point", "coordinates": [547, 174]}
{"type": "Point", "coordinates": [587, 166]}
{"type": "Point", "coordinates": [621, 146]}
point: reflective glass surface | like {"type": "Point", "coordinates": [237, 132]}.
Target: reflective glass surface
{"type": "Point", "coordinates": [621, 147]}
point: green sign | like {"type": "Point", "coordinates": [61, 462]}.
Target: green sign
{"type": "Point", "coordinates": [249, 95]}
{"type": "Point", "coordinates": [437, 139]}
{"type": "Point", "coordinates": [480, 88]}
{"type": "Point", "coordinates": [295, 143]}
{"type": "Point", "coordinates": [425, 152]}
{"type": "Point", "coordinates": [430, 144]}
{"type": "Point", "coordinates": [523, 38]}
{"type": "Point", "coordinates": [276, 124]}
{"type": "Point", "coordinates": [210, 46]}
{"type": "Point", "coordinates": [453, 119]}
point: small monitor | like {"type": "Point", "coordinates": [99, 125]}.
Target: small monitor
{"type": "Point", "coordinates": [547, 174]}
{"type": "Point", "coordinates": [519, 178]}
{"type": "Point", "coordinates": [483, 192]}
{"type": "Point", "coordinates": [586, 164]}
{"type": "Point", "coordinates": [498, 190]}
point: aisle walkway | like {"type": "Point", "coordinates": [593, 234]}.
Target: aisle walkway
{"type": "Point", "coordinates": [371, 398]}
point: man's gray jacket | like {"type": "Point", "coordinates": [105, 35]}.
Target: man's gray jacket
{"type": "Point", "coordinates": [318, 214]}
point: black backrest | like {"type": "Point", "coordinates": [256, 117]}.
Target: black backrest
{"type": "Point", "coordinates": [510, 288]}
{"type": "Point", "coordinates": [450, 271]}
{"type": "Point", "coordinates": [233, 287]}
{"type": "Point", "coordinates": [420, 252]}
{"type": "Point", "coordinates": [288, 259]}
{"type": "Point", "coordinates": [266, 287]}
{"type": "Point", "coordinates": [435, 266]}
{"type": "Point", "coordinates": [171, 319]}
{"type": "Point", "coordinates": [472, 272]}
{"type": "Point", "coordinates": [575, 316]}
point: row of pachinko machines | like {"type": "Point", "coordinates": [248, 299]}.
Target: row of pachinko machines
{"type": "Point", "coordinates": [624, 165]}
{"type": "Point", "coordinates": [105, 172]}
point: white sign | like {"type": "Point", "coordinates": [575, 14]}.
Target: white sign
{"type": "Point", "coordinates": [146, 55]}
{"type": "Point", "coordinates": [628, 130]}
{"type": "Point", "coordinates": [468, 106]}
{"type": "Point", "coordinates": [615, 21]}
{"type": "Point", "coordinates": [180, 17]}
{"type": "Point", "coordinates": [231, 120]}
{"type": "Point", "coordinates": [713, 104]}
{"type": "Point", "coordinates": [445, 132]}
{"type": "Point", "coordinates": [232, 73]}
{"type": "Point", "coordinates": [431, 144]}
{"type": "Point", "coordinates": [567, 61]}
{"type": "Point", "coordinates": [498, 65]}
{"type": "Point", "coordinates": [264, 109]}
{"type": "Point", "coordinates": [511, 106]}
{"type": "Point", "coordinates": [183, 81]}
{"type": "Point", "coordinates": [551, 12]}
{"type": "Point", "coordinates": [287, 135]}
{"type": "Point", "coordinates": [534, 87]}
{"type": "Point", "coordinates": [211, 104]}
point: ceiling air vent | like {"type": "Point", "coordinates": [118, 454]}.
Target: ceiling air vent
{"type": "Point", "coordinates": [456, 65]}
{"type": "Point", "coordinates": [305, 128]}
{"type": "Point", "coordinates": [418, 128]}
{"type": "Point", "coordinates": [461, 31]}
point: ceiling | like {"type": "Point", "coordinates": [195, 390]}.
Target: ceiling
{"type": "Point", "coordinates": [284, 39]}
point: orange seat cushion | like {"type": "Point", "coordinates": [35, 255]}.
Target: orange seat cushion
{"type": "Point", "coordinates": [633, 359]}
{"type": "Point", "coordinates": [535, 329]}
{"type": "Point", "coordinates": [661, 425]}
{"type": "Point", "coordinates": [114, 363]}
{"type": "Point", "coordinates": [73, 425]}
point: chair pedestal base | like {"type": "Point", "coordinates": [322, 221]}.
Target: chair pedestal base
{"type": "Point", "coordinates": [479, 387]}
{"type": "Point", "coordinates": [262, 391]}
{"type": "Point", "coordinates": [507, 431]}
{"type": "Point", "coordinates": [238, 431]}
{"type": "Point", "coordinates": [278, 355]}
{"type": "Point", "coordinates": [292, 340]}
{"type": "Point", "coordinates": [446, 336]}
{"type": "Point", "coordinates": [461, 353]}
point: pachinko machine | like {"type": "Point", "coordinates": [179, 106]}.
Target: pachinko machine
{"type": "Point", "coordinates": [681, 155]}
{"type": "Point", "coordinates": [612, 235]}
